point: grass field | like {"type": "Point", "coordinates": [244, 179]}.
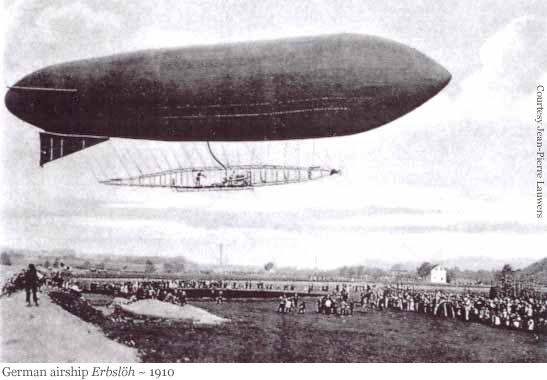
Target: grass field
{"type": "Point", "coordinates": [257, 333]}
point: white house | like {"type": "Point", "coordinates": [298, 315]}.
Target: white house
{"type": "Point", "coordinates": [437, 275]}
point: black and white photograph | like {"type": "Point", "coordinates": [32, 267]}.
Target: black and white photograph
{"type": "Point", "coordinates": [272, 181]}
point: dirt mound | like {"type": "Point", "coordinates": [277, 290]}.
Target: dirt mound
{"type": "Point", "coordinates": [158, 309]}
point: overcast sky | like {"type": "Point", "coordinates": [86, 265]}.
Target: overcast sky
{"type": "Point", "coordinates": [455, 177]}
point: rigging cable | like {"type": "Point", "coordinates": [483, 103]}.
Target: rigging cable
{"type": "Point", "coordinates": [156, 160]}
{"type": "Point", "coordinates": [225, 155]}
{"type": "Point", "coordinates": [139, 153]}
{"type": "Point", "coordinates": [169, 148]}
{"type": "Point", "coordinates": [101, 169]}
{"type": "Point", "coordinates": [215, 158]}
{"type": "Point", "coordinates": [121, 161]}
{"type": "Point", "coordinates": [134, 161]}
{"type": "Point", "coordinates": [188, 156]}
{"type": "Point", "coordinates": [169, 167]}
{"type": "Point", "coordinates": [201, 162]}
{"type": "Point", "coordinates": [91, 169]}
{"type": "Point", "coordinates": [252, 152]}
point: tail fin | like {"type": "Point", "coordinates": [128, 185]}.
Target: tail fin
{"type": "Point", "coordinates": [55, 146]}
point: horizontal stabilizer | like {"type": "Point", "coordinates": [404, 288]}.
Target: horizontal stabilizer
{"type": "Point", "coordinates": [55, 146]}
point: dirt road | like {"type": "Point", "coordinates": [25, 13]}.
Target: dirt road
{"type": "Point", "coordinates": [50, 334]}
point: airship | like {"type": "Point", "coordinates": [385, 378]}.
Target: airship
{"type": "Point", "coordinates": [286, 89]}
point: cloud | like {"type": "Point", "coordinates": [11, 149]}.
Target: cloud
{"type": "Point", "coordinates": [512, 64]}
{"type": "Point", "coordinates": [75, 21]}
{"type": "Point", "coordinates": [43, 33]}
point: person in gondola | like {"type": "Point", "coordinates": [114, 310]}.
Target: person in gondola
{"type": "Point", "coordinates": [31, 284]}
{"type": "Point", "coordinates": [199, 176]}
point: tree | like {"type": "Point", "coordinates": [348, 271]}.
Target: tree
{"type": "Point", "coordinates": [507, 269]}
{"type": "Point", "coordinates": [451, 276]}
{"type": "Point", "coordinates": [351, 272]}
{"type": "Point", "coordinates": [268, 266]}
{"type": "Point", "coordinates": [5, 259]}
{"type": "Point", "coordinates": [174, 266]}
{"type": "Point", "coordinates": [47, 264]}
{"type": "Point", "coordinates": [149, 267]}
{"type": "Point", "coordinates": [397, 267]}
{"type": "Point", "coordinates": [86, 265]}
{"type": "Point", "coordinates": [168, 267]}
{"type": "Point", "coordinates": [56, 263]}
{"type": "Point", "coordinates": [178, 265]}
{"type": "Point", "coordinates": [424, 269]}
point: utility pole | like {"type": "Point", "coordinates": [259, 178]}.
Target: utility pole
{"type": "Point", "coordinates": [220, 254]}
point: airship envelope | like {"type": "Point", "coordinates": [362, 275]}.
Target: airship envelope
{"type": "Point", "coordinates": [296, 88]}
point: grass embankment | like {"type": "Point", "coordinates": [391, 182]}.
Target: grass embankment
{"type": "Point", "coordinates": [257, 333]}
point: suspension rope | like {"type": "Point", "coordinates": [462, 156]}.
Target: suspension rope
{"type": "Point", "coordinates": [215, 158]}
{"type": "Point", "coordinates": [91, 169]}
{"type": "Point", "coordinates": [101, 169]}
{"type": "Point", "coordinates": [320, 157]}
{"type": "Point", "coordinates": [139, 153]}
{"type": "Point", "coordinates": [252, 151]}
{"type": "Point", "coordinates": [188, 156]}
{"type": "Point", "coordinates": [176, 157]}
{"type": "Point", "coordinates": [165, 159]}
{"type": "Point", "coordinates": [202, 161]}
{"type": "Point", "coordinates": [156, 160]}
{"type": "Point", "coordinates": [225, 155]}
{"type": "Point", "coordinates": [121, 161]}
{"type": "Point", "coordinates": [328, 157]}
{"type": "Point", "coordinates": [125, 161]}
{"type": "Point", "coordinates": [134, 162]}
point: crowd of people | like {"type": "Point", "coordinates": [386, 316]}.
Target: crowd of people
{"type": "Point", "coordinates": [527, 313]}
{"type": "Point", "coordinates": [114, 284]}
{"type": "Point", "coordinates": [519, 313]}
{"type": "Point", "coordinates": [291, 304]}
{"type": "Point", "coordinates": [337, 303]}
{"type": "Point", "coordinates": [141, 289]}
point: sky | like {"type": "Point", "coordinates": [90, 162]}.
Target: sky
{"type": "Point", "coordinates": [454, 178]}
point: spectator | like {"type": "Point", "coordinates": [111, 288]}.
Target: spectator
{"type": "Point", "coordinates": [31, 284]}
